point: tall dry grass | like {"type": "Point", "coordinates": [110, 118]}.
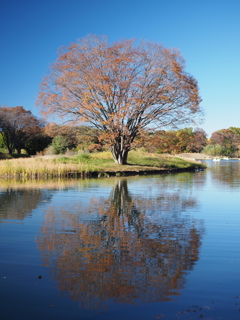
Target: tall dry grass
{"type": "Point", "coordinates": [37, 168]}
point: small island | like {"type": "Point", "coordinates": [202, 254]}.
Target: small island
{"type": "Point", "coordinates": [99, 164]}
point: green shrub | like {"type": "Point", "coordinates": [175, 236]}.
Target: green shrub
{"type": "Point", "coordinates": [60, 144]}
{"type": "Point", "coordinates": [213, 150]}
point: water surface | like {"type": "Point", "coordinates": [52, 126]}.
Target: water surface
{"type": "Point", "coordinates": [163, 246]}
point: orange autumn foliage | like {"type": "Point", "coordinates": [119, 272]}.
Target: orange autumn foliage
{"type": "Point", "coordinates": [120, 88]}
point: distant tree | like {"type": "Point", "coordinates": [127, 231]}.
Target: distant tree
{"type": "Point", "coordinates": [226, 139]}
{"type": "Point", "coordinates": [183, 140]}
{"type": "Point", "coordinates": [18, 126]}
{"type": "Point", "coordinates": [213, 150]}
{"type": "Point", "coordinates": [198, 140]}
{"type": "Point", "coordinates": [120, 89]}
{"type": "Point", "coordinates": [60, 144]}
{"type": "Point", "coordinates": [37, 143]}
{"type": "Point", "coordinates": [184, 137]}
{"type": "Point", "coordinates": [83, 137]}
{"type": "Point", "coordinates": [235, 130]}
{"type": "Point", "coordinates": [167, 142]}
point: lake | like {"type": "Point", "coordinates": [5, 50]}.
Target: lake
{"type": "Point", "coordinates": [154, 247]}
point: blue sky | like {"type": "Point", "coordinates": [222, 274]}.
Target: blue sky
{"type": "Point", "coordinates": [207, 33]}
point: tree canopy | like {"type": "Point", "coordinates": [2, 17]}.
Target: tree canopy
{"type": "Point", "coordinates": [19, 127]}
{"type": "Point", "coordinates": [228, 140]}
{"type": "Point", "coordinates": [176, 141]}
{"type": "Point", "coordinates": [120, 88]}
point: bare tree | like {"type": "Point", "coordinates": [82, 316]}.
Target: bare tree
{"type": "Point", "coordinates": [120, 89]}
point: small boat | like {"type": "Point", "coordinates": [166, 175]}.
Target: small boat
{"type": "Point", "coordinates": [226, 158]}
{"type": "Point", "coordinates": [216, 159]}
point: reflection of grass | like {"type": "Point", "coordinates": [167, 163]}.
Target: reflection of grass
{"type": "Point", "coordinates": [83, 164]}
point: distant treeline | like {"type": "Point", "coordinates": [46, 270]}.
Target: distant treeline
{"type": "Point", "coordinates": [22, 132]}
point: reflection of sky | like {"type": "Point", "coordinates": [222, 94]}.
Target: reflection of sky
{"type": "Point", "coordinates": [219, 201]}
{"type": "Point", "coordinates": [219, 196]}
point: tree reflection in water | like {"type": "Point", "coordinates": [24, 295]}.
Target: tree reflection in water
{"type": "Point", "coordinates": [134, 250]}
{"type": "Point", "coordinates": [18, 204]}
{"type": "Point", "coordinates": [19, 198]}
{"type": "Point", "coordinates": [225, 173]}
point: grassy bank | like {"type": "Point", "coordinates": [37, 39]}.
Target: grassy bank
{"type": "Point", "coordinates": [95, 164]}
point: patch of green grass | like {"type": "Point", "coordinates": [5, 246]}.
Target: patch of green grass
{"type": "Point", "coordinates": [145, 160]}
{"type": "Point", "coordinates": [180, 163]}
{"type": "Point", "coordinates": [61, 159]}
{"type": "Point", "coordinates": [81, 158]}
{"type": "Point", "coordinates": [160, 161]}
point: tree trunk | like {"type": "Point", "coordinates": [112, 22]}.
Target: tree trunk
{"type": "Point", "coordinates": [119, 155]}
{"type": "Point", "coordinates": [10, 150]}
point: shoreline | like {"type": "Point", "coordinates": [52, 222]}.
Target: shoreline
{"type": "Point", "coordinates": [101, 174]}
